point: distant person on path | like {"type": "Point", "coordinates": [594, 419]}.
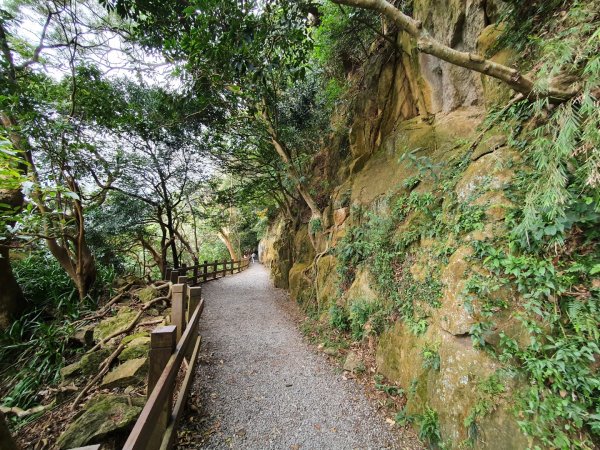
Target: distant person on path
{"type": "Point", "coordinates": [252, 256]}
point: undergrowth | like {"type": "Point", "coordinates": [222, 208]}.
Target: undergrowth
{"type": "Point", "coordinates": [34, 348]}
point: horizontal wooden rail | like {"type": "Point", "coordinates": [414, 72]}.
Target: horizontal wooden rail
{"type": "Point", "coordinates": [201, 273]}
{"type": "Point", "coordinates": [143, 435]}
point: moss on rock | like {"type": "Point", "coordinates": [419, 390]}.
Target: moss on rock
{"type": "Point", "coordinates": [102, 416]}
{"type": "Point", "coordinates": [136, 348]}
{"type": "Point", "coordinates": [115, 323]}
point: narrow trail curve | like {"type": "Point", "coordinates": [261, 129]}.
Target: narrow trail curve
{"type": "Point", "coordinates": [258, 385]}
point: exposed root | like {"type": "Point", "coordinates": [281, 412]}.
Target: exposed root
{"type": "Point", "coordinates": [103, 370]}
{"type": "Point", "coordinates": [131, 324]}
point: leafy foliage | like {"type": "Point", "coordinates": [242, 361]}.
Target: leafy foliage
{"type": "Point", "coordinates": [429, 426]}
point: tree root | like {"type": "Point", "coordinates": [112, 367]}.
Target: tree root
{"type": "Point", "coordinates": [103, 370]}
{"type": "Point", "coordinates": [20, 413]}
{"type": "Point", "coordinates": [131, 324]}
{"type": "Point", "coordinates": [104, 310]}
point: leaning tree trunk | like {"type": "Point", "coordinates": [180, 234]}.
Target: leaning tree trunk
{"type": "Point", "coordinates": [224, 236]}
{"type": "Point", "coordinates": [427, 44]}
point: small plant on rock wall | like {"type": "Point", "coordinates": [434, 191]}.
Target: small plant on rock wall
{"type": "Point", "coordinates": [431, 356]}
{"type": "Point", "coordinates": [429, 426]}
{"type": "Point", "coordinates": [389, 389]}
{"type": "Point", "coordinates": [360, 312]}
{"type": "Point", "coordinates": [315, 226]}
{"type": "Point", "coordinates": [338, 318]}
{"type": "Point", "coordinates": [402, 418]}
{"type": "Point", "coordinates": [489, 390]}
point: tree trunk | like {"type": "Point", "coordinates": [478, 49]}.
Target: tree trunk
{"type": "Point", "coordinates": [472, 61]}
{"type": "Point", "coordinates": [294, 175]}
{"type": "Point", "coordinates": [12, 301]}
{"type": "Point", "coordinates": [224, 236]}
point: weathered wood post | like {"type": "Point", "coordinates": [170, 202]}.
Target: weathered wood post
{"type": "Point", "coordinates": [168, 274]}
{"type": "Point", "coordinates": [215, 268]}
{"type": "Point", "coordinates": [174, 275]}
{"type": "Point", "coordinates": [224, 267]}
{"type": "Point", "coordinates": [195, 277]}
{"type": "Point", "coordinates": [183, 270]}
{"type": "Point", "coordinates": [195, 294]}
{"type": "Point", "coordinates": [178, 307]}
{"type": "Point", "coordinates": [232, 265]}
{"type": "Point", "coordinates": [205, 271]}
{"type": "Point", "coordinates": [162, 345]}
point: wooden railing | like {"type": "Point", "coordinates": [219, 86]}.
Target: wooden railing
{"type": "Point", "coordinates": [170, 345]}
{"type": "Point", "coordinates": [202, 273]}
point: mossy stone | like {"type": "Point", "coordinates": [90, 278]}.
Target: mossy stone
{"type": "Point", "coordinates": [102, 416]}
{"type": "Point", "coordinates": [114, 324]}
{"type": "Point", "coordinates": [132, 337]}
{"type": "Point", "coordinates": [136, 348]}
{"type": "Point", "coordinates": [90, 362]}
{"type": "Point", "coordinates": [128, 373]}
{"type": "Point", "coordinates": [148, 293]}
{"type": "Point", "coordinates": [70, 370]}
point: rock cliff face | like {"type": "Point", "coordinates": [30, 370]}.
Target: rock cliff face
{"type": "Point", "coordinates": [413, 116]}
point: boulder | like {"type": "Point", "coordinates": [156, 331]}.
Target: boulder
{"type": "Point", "coordinates": [102, 416]}
{"type": "Point", "coordinates": [353, 362]}
{"type": "Point", "coordinates": [84, 337]}
{"type": "Point", "coordinates": [90, 362]}
{"type": "Point", "coordinates": [136, 348]}
{"type": "Point", "coordinates": [70, 370]}
{"type": "Point", "coordinates": [130, 372]}
{"type": "Point", "coordinates": [147, 294]}
{"type": "Point", "coordinates": [115, 323]}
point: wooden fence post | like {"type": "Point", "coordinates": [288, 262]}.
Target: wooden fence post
{"type": "Point", "coordinates": [232, 264]}
{"type": "Point", "coordinates": [216, 266]}
{"type": "Point", "coordinates": [174, 275]}
{"type": "Point", "coordinates": [205, 271]}
{"type": "Point", "coordinates": [181, 279]}
{"type": "Point", "coordinates": [195, 297]}
{"type": "Point", "coordinates": [183, 270]}
{"type": "Point", "coordinates": [178, 308]}
{"type": "Point", "coordinates": [162, 345]}
{"type": "Point", "coordinates": [168, 274]}
{"type": "Point", "coordinates": [195, 276]}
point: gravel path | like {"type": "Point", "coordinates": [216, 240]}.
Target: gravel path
{"type": "Point", "coordinates": [260, 386]}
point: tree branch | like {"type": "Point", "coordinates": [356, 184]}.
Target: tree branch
{"type": "Point", "coordinates": [427, 44]}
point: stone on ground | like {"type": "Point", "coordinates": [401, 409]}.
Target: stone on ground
{"type": "Point", "coordinates": [115, 323]}
{"type": "Point", "coordinates": [129, 373]}
{"type": "Point", "coordinates": [136, 348]}
{"type": "Point", "coordinates": [90, 362]}
{"type": "Point", "coordinates": [102, 416]}
{"type": "Point", "coordinates": [353, 362]}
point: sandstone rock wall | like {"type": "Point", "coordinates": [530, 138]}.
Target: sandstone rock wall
{"type": "Point", "coordinates": [413, 102]}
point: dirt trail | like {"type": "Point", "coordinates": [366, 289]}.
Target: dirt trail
{"type": "Point", "coordinates": [260, 386]}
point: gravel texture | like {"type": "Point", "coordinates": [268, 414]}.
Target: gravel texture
{"type": "Point", "coordinates": [260, 386]}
